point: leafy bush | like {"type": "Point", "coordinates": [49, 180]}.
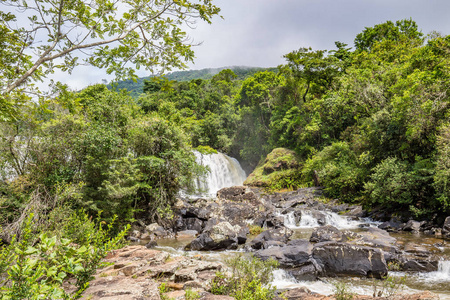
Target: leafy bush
{"type": "Point", "coordinates": [398, 185]}
{"type": "Point", "coordinates": [31, 269]}
{"type": "Point", "coordinates": [249, 279]}
{"type": "Point", "coordinates": [336, 168]}
{"type": "Point", "coordinates": [342, 291]}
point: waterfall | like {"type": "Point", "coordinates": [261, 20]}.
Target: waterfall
{"type": "Point", "coordinates": [224, 171]}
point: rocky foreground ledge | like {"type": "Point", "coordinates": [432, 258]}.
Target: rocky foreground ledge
{"type": "Point", "coordinates": [136, 273]}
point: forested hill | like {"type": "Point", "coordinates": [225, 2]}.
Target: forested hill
{"type": "Point", "coordinates": [136, 88]}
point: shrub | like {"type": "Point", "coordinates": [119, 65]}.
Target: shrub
{"type": "Point", "coordinates": [30, 270]}
{"type": "Point", "coordinates": [336, 168]}
{"type": "Point", "coordinates": [249, 280]}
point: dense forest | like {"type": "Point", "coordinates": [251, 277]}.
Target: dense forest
{"type": "Point", "coordinates": [370, 123]}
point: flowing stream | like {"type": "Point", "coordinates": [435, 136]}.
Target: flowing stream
{"type": "Point", "coordinates": [226, 172]}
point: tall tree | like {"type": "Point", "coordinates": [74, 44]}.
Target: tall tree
{"type": "Point", "coordinates": [119, 35]}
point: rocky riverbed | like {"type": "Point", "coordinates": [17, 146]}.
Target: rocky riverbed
{"type": "Point", "coordinates": [300, 231]}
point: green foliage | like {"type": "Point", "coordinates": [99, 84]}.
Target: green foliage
{"type": "Point", "coordinates": [30, 270]}
{"type": "Point", "coordinates": [395, 185]}
{"type": "Point", "coordinates": [404, 29]}
{"type": "Point", "coordinates": [249, 279]}
{"type": "Point", "coordinates": [389, 286]}
{"type": "Point", "coordinates": [191, 295]}
{"type": "Point", "coordinates": [338, 169]}
{"type": "Point", "coordinates": [342, 291]}
{"type": "Point", "coordinates": [442, 175]}
{"type": "Point", "coordinates": [255, 230]}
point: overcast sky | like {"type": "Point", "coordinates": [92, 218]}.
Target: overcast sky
{"type": "Point", "coordinates": [259, 32]}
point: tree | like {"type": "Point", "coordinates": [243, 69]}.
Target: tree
{"type": "Point", "coordinates": [314, 67]}
{"type": "Point", "coordinates": [388, 31]}
{"type": "Point", "coordinates": [119, 35]}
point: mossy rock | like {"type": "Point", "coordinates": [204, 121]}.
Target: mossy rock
{"type": "Point", "coordinates": [279, 165]}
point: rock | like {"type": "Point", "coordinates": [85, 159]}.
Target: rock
{"type": "Point", "coordinates": [242, 235]}
{"type": "Point", "coordinates": [273, 221]}
{"type": "Point", "coordinates": [412, 225]}
{"type": "Point", "coordinates": [319, 216]}
{"type": "Point", "coordinates": [446, 227]}
{"type": "Point", "coordinates": [192, 224]}
{"type": "Point", "coordinates": [133, 239]}
{"type": "Point", "coordinates": [151, 244]}
{"type": "Point", "coordinates": [279, 234]}
{"type": "Point", "coordinates": [152, 227]}
{"type": "Point", "coordinates": [186, 234]}
{"type": "Point", "coordinates": [419, 265]}
{"type": "Point", "coordinates": [209, 296]}
{"type": "Point", "coordinates": [356, 211]}
{"type": "Point", "coordinates": [279, 164]}
{"type": "Point", "coordinates": [325, 234]}
{"type": "Point", "coordinates": [220, 237]}
{"type": "Point", "coordinates": [373, 237]}
{"type": "Point", "coordinates": [237, 194]}
{"type": "Point", "coordinates": [288, 256]}
{"type": "Point", "coordinates": [392, 225]}
{"type": "Point", "coordinates": [301, 293]}
{"type": "Point", "coordinates": [342, 259]}
{"type": "Point", "coordinates": [122, 288]}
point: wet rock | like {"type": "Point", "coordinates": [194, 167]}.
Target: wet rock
{"type": "Point", "coordinates": [417, 265]}
{"type": "Point", "coordinates": [412, 225]}
{"type": "Point", "coordinates": [151, 244]}
{"type": "Point", "coordinates": [187, 233]}
{"type": "Point", "coordinates": [193, 224]}
{"type": "Point", "coordinates": [309, 271]}
{"type": "Point", "coordinates": [392, 225]}
{"type": "Point", "coordinates": [356, 211]}
{"type": "Point", "coordinates": [133, 239]}
{"type": "Point", "coordinates": [279, 234]}
{"type": "Point", "coordinates": [220, 237]}
{"type": "Point", "coordinates": [325, 234]}
{"type": "Point", "coordinates": [342, 259]}
{"type": "Point", "coordinates": [273, 221]}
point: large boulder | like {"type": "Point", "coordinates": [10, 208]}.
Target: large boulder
{"type": "Point", "coordinates": [325, 234]}
{"type": "Point", "coordinates": [221, 236]}
{"type": "Point", "coordinates": [342, 259]}
{"type": "Point", "coordinates": [237, 193]}
{"type": "Point", "coordinates": [446, 227]}
{"type": "Point", "coordinates": [279, 164]}
{"type": "Point", "coordinates": [290, 256]}
{"type": "Point", "coordinates": [278, 234]}
{"type": "Point", "coordinates": [413, 226]}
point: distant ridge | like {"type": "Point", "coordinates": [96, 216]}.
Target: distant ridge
{"type": "Point", "coordinates": [136, 88]}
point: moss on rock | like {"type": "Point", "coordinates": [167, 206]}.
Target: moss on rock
{"type": "Point", "coordinates": [279, 170]}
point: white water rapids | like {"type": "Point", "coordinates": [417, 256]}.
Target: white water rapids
{"type": "Point", "coordinates": [307, 220]}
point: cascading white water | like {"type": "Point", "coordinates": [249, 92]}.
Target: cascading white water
{"type": "Point", "coordinates": [442, 274]}
{"type": "Point", "coordinates": [283, 280]}
{"type": "Point", "coordinates": [307, 220]}
{"type": "Point", "coordinates": [224, 171]}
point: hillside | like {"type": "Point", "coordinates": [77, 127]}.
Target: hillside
{"type": "Point", "coordinates": [135, 88]}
